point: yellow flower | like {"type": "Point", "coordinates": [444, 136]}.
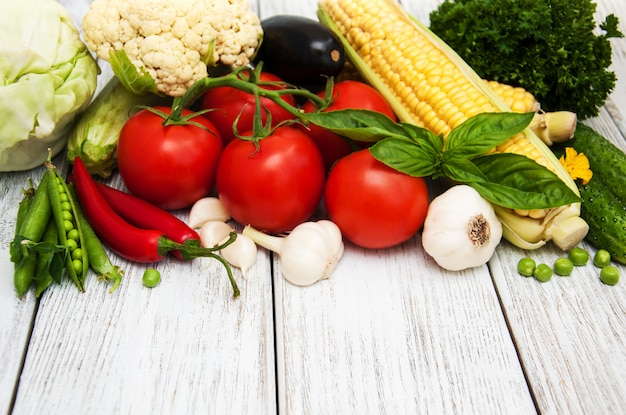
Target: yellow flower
{"type": "Point", "coordinates": [577, 165]}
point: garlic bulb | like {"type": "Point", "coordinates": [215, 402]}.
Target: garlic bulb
{"type": "Point", "coordinates": [309, 253]}
{"type": "Point", "coordinates": [461, 229]}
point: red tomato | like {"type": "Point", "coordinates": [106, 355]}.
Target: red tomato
{"type": "Point", "coordinates": [229, 103]}
{"type": "Point", "coordinates": [171, 166]}
{"type": "Point", "coordinates": [347, 95]}
{"type": "Point", "coordinates": [374, 205]}
{"type": "Point", "coordinates": [275, 188]}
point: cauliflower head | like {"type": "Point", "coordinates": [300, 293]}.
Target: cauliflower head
{"type": "Point", "coordinates": [164, 46]}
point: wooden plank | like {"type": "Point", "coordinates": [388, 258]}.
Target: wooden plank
{"type": "Point", "coordinates": [184, 347]}
{"type": "Point", "coordinates": [569, 332]}
{"type": "Point", "coordinates": [616, 104]}
{"type": "Point", "coordinates": [16, 315]}
{"type": "Point", "coordinates": [390, 332]}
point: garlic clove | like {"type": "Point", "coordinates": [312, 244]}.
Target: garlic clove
{"type": "Point", "coordinates": [205, 210]}
{"type": "Point", "coordinates": [242, 253]}
{"type": "Point", "coordinates": [335, 241]}
{"type": "Point", "coordinates": [212, 233]}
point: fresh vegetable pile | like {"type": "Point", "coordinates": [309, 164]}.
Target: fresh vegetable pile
{"type": "Point", "coordinates": [299, 166]}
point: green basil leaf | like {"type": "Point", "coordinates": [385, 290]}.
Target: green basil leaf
{"type": "Point", "coordinates": [484, 131]}
{"type": "Point", "coordinates": [406, 156]}
{"type": "Point", "coordinates": [517, 182]}
{"type": "Point", "coordinates": [428, 140]}
{"type": "Point", "coordinates": [462, 171]}
{"type": "Point", "coordinates": [358, 125]}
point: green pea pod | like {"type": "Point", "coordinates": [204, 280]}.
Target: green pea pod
{"type": "Point", "coordinates": [22, 211]}
{"type": "Point", "coordinates": [64, 213]}
{"type": "Point", "coordinates": [34, 222]}
{"type": "Point", "coordinates": [25, 273]}
{"type": "Point", "coordinates": [32, 228]}
{"type": "Point", "coordinates": [48, 262]}
{"type": "Point", "coordinates": [99, 260]}
{"type": "Point", "coordinates": [24, 205]}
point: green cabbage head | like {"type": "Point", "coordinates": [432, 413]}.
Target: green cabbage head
{"type": "Point", "coordinates": [47, 76]}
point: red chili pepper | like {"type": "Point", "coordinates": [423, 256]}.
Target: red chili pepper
{"type": "Point", "coordinates": [125, 239]}
{"type": "Point", "coordinates": [145, 215]}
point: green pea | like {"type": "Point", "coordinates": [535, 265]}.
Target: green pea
{"type": "Point", "coordinates": [77, 264]}
{"type": "Point", "coordinates": [67, 215]}
{"type": "Point", "coordinates": [68, 225]}
{"type": "Point", "coordinates": [578, 256]}
{"type": "Point", "coordinates": [73, 234]}
{"type": "Point", "coordinates": [77, 254]}
{"type": "Point", "coordinates": [609, 275]}
{"type": "Point", "coordinates": [526, 267]}
{"type": "Point", "coordinates": [151, 277]}
{"type": "Point", "coordinates": [66, 206]}
{"type": "Point", "coordinates": [63, 197]}
{"type": "Point", "coordinates": [543, 272]}
{"type": "Point", "coordinates": [60, 189]}
{"type": "Point", "coordinates": [71, 244]}
{"type": "Point", "coordinates": [563, 267]}
{"type": "Point", "coordinates": [602, 258]}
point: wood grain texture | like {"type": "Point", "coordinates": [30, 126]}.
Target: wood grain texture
{"type": "Point", "coordinates": [184, 347]}
{"type": "Point", "coordinates": [392, 333]}
{"type": "Point", "coordinates": [388, 333]}
{"type": "Point", "coordinates": [569, 332]}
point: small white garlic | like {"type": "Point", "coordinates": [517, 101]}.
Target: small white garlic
{"type": "Point", "coordinates": [461, 229]}
{"type": "Point", "coordinates": [242, 253]}
{"type": "Point", "coordinates": [335, 241]}
{"type": "Point", "coordinates": [214, 232]}
{"type": "Point", "coordinates": [205, 210]}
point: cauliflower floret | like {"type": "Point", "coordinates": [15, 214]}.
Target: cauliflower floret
{"type": "Point", "coordinates": [173, 41]}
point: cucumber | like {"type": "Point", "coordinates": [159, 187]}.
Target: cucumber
{"type": "Point", "coordinates": [604, 197]}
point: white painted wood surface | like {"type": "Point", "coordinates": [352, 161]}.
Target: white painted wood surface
{"type": "Point", "coordinates": [389, 333]}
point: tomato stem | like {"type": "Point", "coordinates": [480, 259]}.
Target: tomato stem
{"type": "Point", "coordinates": [250, 84]}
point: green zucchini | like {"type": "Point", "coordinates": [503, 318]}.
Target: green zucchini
{"type": "Point", "coordinates": [604, 197]}
{"type": "Point", "coordinates": [95, 134]}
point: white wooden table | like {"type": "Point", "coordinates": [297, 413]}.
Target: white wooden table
{"type": "Point", "coordinates": [389, 333]}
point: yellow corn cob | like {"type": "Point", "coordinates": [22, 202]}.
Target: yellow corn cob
{"type": "Point", "coordinates": [551, 127]}
{"type": "Point", "coordinates": [428, 84]}
{"type": "Point", "coordinates": [516, 98]}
